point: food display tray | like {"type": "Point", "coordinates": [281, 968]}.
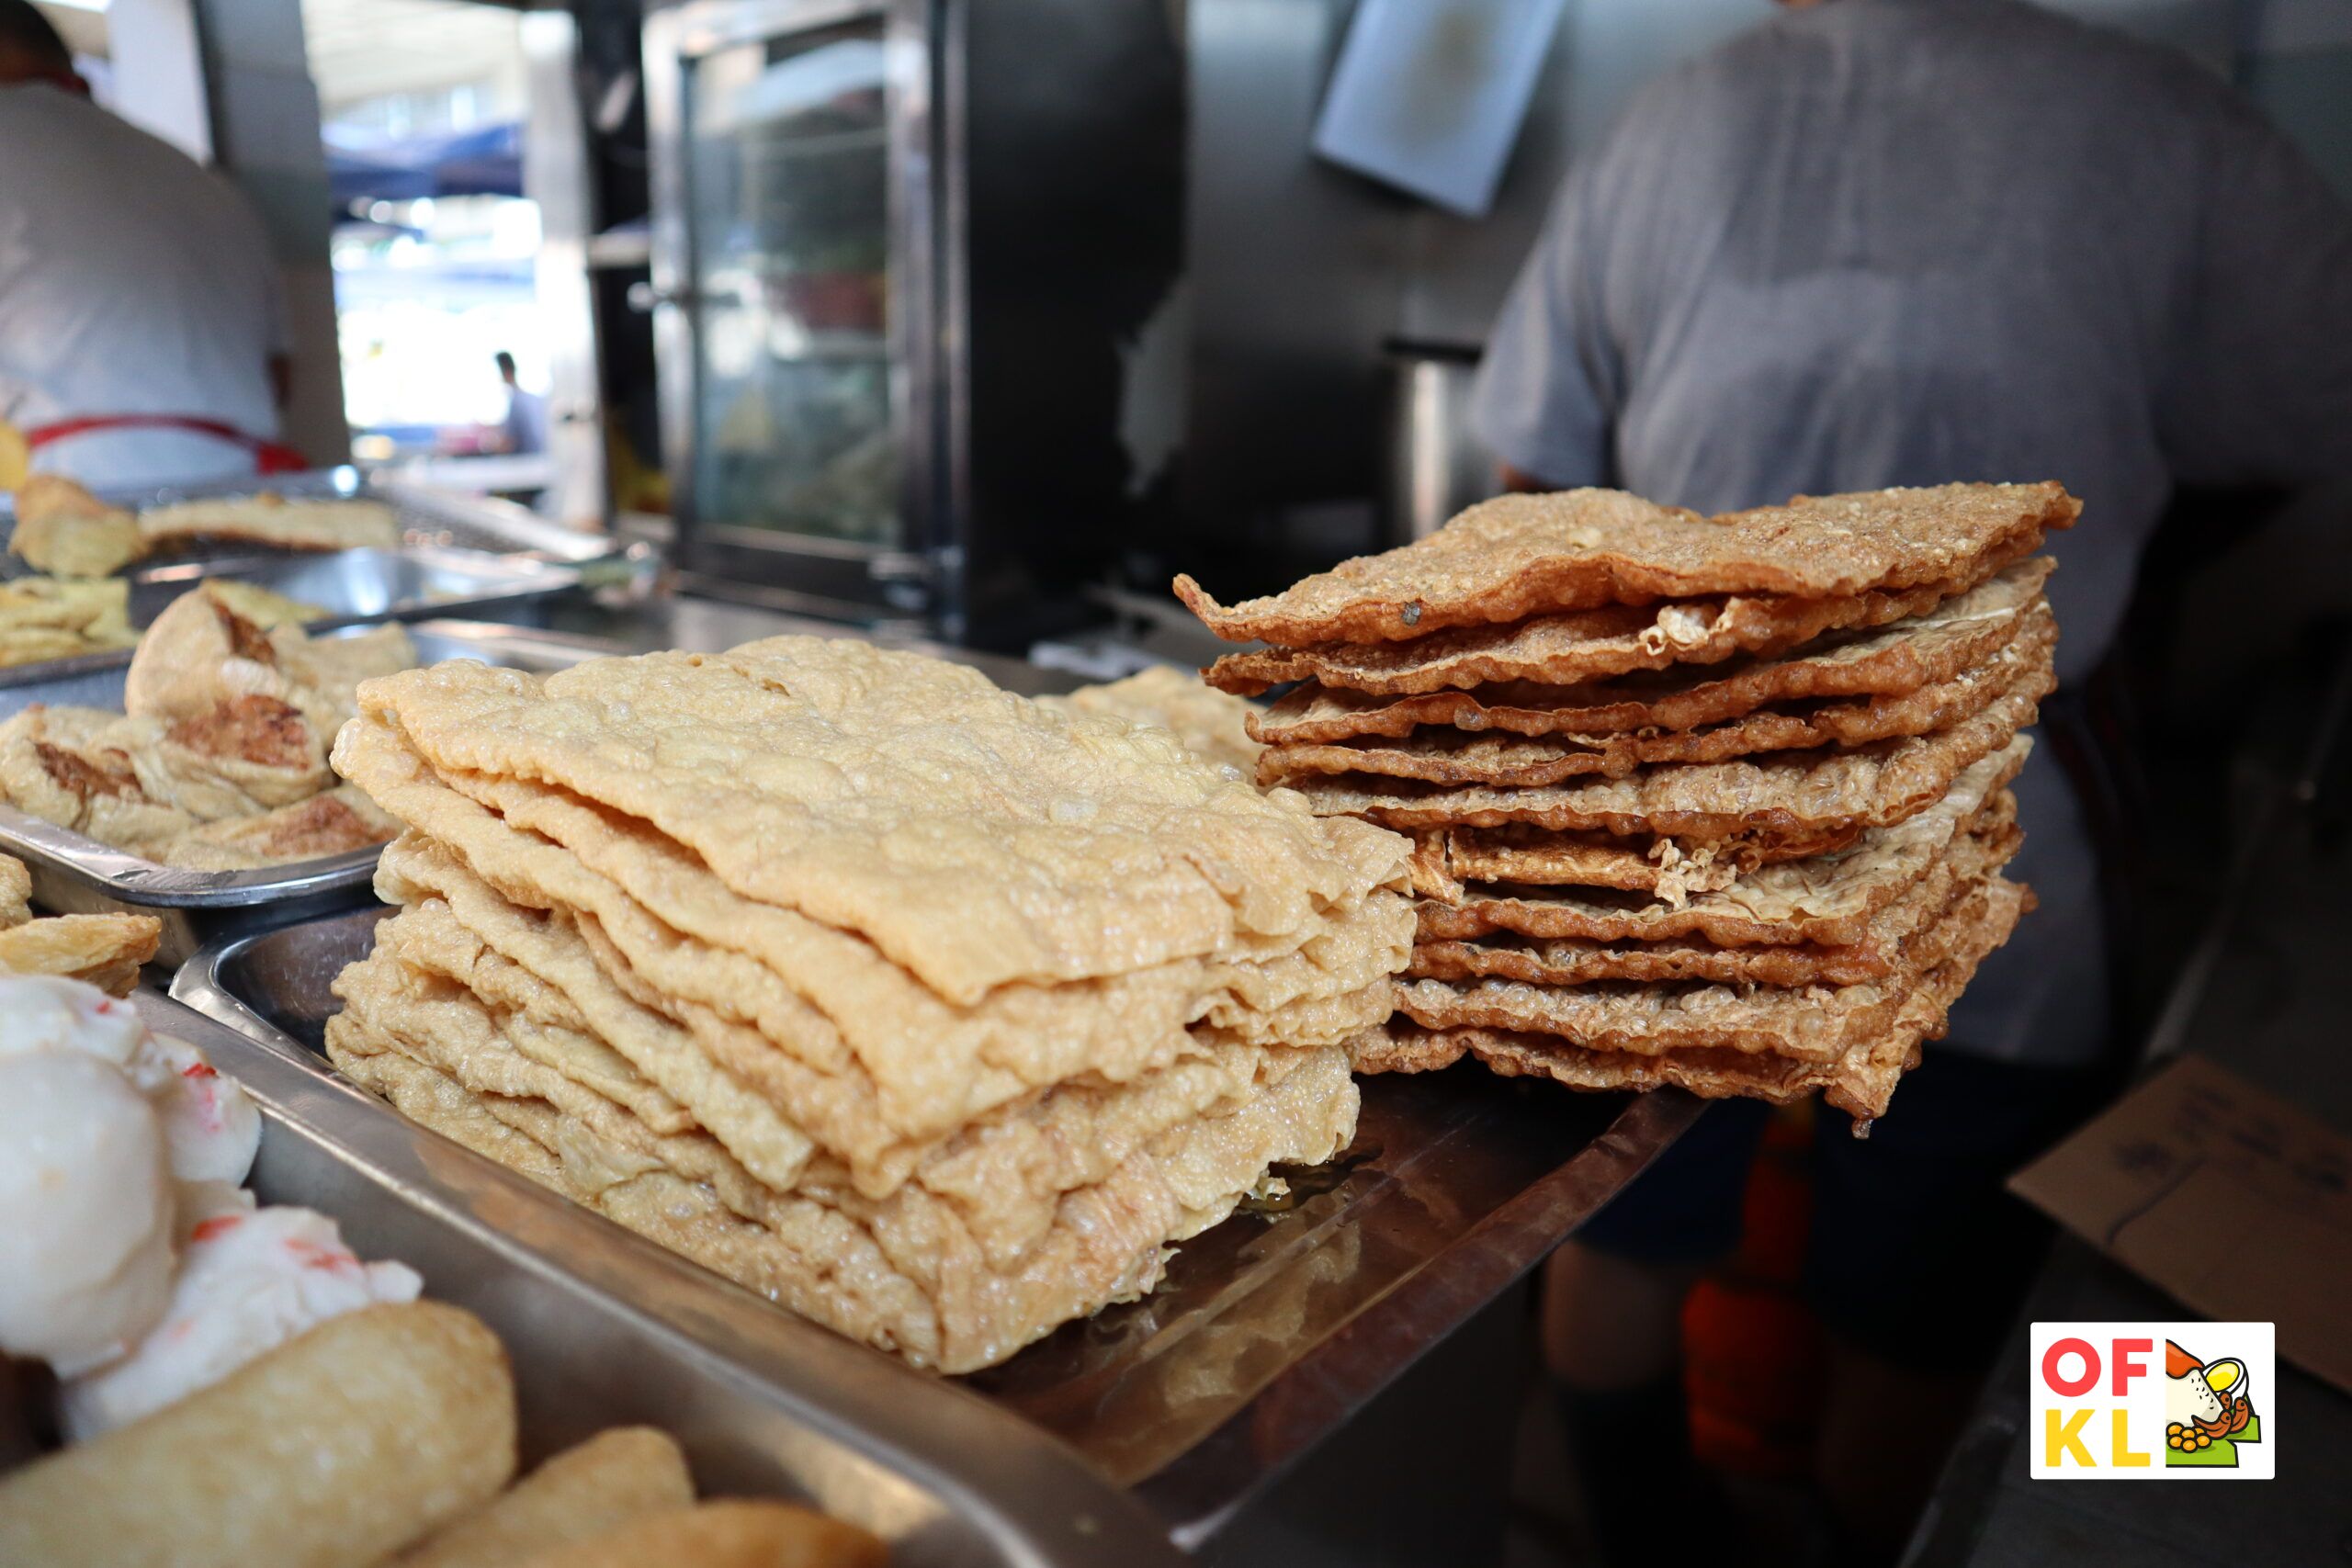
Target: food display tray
{"type": "Point", "coordinates": [1270, 1331]}
{"type": "Point", "coordinates": [74, 874]}
{"type": "Point", "coordinates": [458, 555]}
{"type": "Point", "coordinates": [606, 1330]}
{"type": "Point", "coordinates": [427, 516]}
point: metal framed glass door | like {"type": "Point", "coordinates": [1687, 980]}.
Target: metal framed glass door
{"type": "Point", "coordinates": [782, 277]}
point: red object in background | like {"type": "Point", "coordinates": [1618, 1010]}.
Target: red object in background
{"type": "Point", "coordinates": [1752, 1349]}
{"type": "Point", "coordinates": [269, 458]}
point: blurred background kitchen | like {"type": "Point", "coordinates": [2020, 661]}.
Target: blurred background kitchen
{"type": "Point", "coordinates": [977, 319]}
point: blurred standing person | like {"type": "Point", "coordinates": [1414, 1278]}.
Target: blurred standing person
{"type": "Point", "coordinates": [525, 426]}
{"type": "Point", "coordinates": [142, 341]}
{"type": "Point", "coordinates": [1901, 243]}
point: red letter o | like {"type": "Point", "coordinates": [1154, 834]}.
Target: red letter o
{"type": "Point", "coordinates": [2070, 1388]}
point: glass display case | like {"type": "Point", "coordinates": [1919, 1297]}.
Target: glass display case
{"type": "Point", "coordinates": [861, 210]}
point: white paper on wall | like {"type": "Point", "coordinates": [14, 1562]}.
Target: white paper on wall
{"type": "Point", "coordinates": [1429, 94]}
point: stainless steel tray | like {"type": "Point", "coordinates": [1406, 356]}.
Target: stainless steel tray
{"type": "Point", "coordinates": [74, 874]}
{"type": "Point", "coordinates": [1271, 1330]}
{"type": "Point", "coordinates": [606, 1330]}
{"type": "Point", "coordinates": [460, 554]}
{"type": "Point", "coordinates": [427, 516]}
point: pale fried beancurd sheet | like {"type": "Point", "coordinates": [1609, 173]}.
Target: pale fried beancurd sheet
{"type": "Point", "coordinates": [877, 1067]}
{"type": "Point", "coordinates": [905, 1275]}
{"type": "Point", "coordinates": [1814, 1023]}
{"type": "Point", "coordinates": [1989, 843]}
{"type": "Point", "coordinates": [1522, 555]}
{"type": "Point", "coordinates": [1887, 660]}
{"type": "Point", "coordinates": [1455, 756]}
{"type": "Point", "coordinates": [974, 837]}
{"type": "Point", "coordinates": [1826, 898]}
{"type": "Point", "coordinates": [1796, 794]}
{"type": "Point", "coordinates": [1212, 725]}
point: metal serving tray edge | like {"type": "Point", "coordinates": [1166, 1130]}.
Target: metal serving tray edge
{"type": "Point", "coordinates": [75, 874]}
{"type": "Point", "coordinates": [1272, 1329]}
{"type": "Point", "coordinates": [606, 1329]}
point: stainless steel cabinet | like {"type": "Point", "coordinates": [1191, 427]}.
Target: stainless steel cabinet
{"type": "Point", "coordinates": [903, 250]}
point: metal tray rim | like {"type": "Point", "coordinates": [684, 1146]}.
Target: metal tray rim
{"type": "Point", "coordinates": [942, 1429]}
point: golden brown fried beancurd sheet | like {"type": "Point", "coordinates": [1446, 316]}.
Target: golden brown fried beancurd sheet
{"type": "Point", "coordinates": [1884, 660]}
{"type": "Point", "coordinates": [1557, 962]}
{"type": "Point", "coordinates": [279, 521]}
{"type": "Point", "coordinates": [1593, 645]}
{"type": "Point", "coordinates": [1794, 795]}
{"type": "Point", "coordinates": [1522, 554]}
{"type": "Point", "coordinates": [335, 1449]}
{"type": "Point", "coordinates": [60, 527]}
{"type": "Point", "coordinates": [1828, 899]}
{"type": "Point", "coordinates": [725, 1533]}
{"type": "Point", "coordinates": [1454, 756]}
{"type": "Point", "coordinates": [1814, 1023]}
{"type": "Point", "coordinates": [1860, 1083]}
{"type": "Point", "coordinates": [1445, 861]}
{"type": "Point", "coordinates": [16, 892]}
{"type": "Point", "coordinates": [104, 950]}
{"type": "Point", "coordinates": [580, 1494]}
{"type": "Point", "coordinates": [974, 837]}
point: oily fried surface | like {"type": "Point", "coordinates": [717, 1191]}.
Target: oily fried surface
{"type": "Point", "coordinates": [1212, 723]}
{"type": "Point", "coordinates": [104, 950]}
{"type": "Point", "coordinates": [833, 1001]}
{"type": "Point", "coordinates": [1593, 644]}
{"type": "Point", "coordinates": [1826, 898]}
{"type": "Point", "coordinates": [1989, 844]}
{"type": "Point", "coordinates": [1810, 1023]}
{"type": "Point", "coordinates": [16, 892]}
{"type": "Point", "coordinates": [1860, 1083]}
{"type": "Point", "coordinates": [1797, 794]}
{"type": "Point", "coordinates": [218, 762]}
{"type": "Point", "coordinates": [334, 822]}
{"type": "Point", "coordinates": [1456, 756]}
{"type": "Point", "coordinates": [48, 617]}
{"type": "Point", "coordinates": [1888, 661]}
{"type": "Point", "coordinates": [62, 528]}
{"type": "Point", "coordinates": [1445, 860]}
{"type": "Point", "coordinates": [905, 1274]}
{"type": "Point", "coordinates": [272, 519]}
{"type": "Point", "coordinates": [1523, 554]}
{"type": "Point", "coordinates": [974, 837]}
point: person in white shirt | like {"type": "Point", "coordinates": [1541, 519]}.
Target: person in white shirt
{"type": "Point", "coordinates": [142, 341]}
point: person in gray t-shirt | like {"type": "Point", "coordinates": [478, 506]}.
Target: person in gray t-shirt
{"type": "Point", "coordinates": [1906, 242]}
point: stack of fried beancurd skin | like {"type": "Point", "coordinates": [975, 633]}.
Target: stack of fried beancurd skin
{"type": "Point", "coordinates": [1716, 802]}
{"type": "Point", "coordinates": [933, 1013]}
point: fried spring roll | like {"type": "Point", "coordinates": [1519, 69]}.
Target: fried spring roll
{"type": "Point", "coordinates": [338, 1448]}
{"type": "Point", "coordinates": [579, 1494]}
{"type": "Point", "coordinates": [726, 1534]}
